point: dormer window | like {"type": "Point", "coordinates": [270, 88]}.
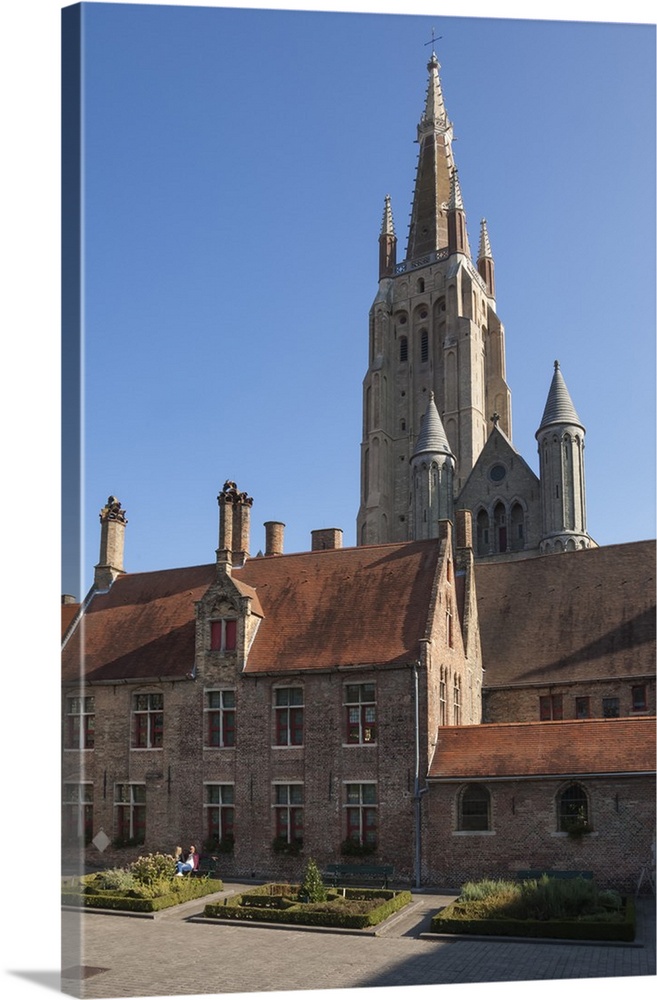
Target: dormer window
{"type": "Point", "coordinates": [223, 634]}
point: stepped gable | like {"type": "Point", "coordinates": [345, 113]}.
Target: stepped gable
{"type": "Point", "coordinates": [585, 615]}
{"type": "Point", "coordinates": [142, 628]}
{"type": "Point", "coordinates": [574, 748]}
{"type": "Point", "coordinates": [342, 607]}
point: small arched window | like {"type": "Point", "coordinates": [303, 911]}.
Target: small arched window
{"type": "Point", "coordinates": [573, 810]}
{"type": "Point", "coordinates": [420, 285]}
{"type": "Point", "coordinates": [403, 349]}
{"type": "Point", "coordinates": [474, 808]}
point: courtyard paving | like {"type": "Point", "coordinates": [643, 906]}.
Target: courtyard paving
{"type": "Point", "coordinates": [176, 952]}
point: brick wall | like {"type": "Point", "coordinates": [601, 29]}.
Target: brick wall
{"type": "Point", "coordinates": [514, 704]}
{"type": "Point", "coordinates": [524, 832]}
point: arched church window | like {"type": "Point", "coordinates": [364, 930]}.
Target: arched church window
{"type": "Point", "coordinates": [501, 537]}
{"type": "Point", "coordinates": [474, 808]}
{"type": "Point", "coordinates": [403, 349]}
{"type": "Point", "coordinates": [517, 526]}
{"type": "Point", "coordinates": [420, 285]}
{"type": "Point", "coordinates": [424, 346]}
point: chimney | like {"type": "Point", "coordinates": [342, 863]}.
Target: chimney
{"type": "Point", "coordinates": [68, 599]}
{"type": "Point", "coordinates": [463, 529]}
{"type": "Point", "coordinates": [234, 525]}
{"type": "Point", "coordinates": [112, 539]}
{"type": "Point", "coordinates": [274, 538]}
{"type": "Point", "coordinates": [326, 538]}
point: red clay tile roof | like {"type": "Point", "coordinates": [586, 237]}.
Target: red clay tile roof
{"type": "Point", "coordinates": [142, 628]}
{"type": "Point", "coordinates": [69, 611]}
{"type": "Point", "coordinates": [583, 746]}
{"type": "Point", "coordinates": [568, 616]}
{"type": "Point", "coordinates": [342, 607]}
{"type": "Point", "coordinates": [365, 605]}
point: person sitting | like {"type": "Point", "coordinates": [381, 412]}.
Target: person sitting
{"type": "Point", "coordinates": [182, 867]}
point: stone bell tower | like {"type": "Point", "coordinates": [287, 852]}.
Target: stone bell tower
{"type": "Point", "coordinates": [433, 329]}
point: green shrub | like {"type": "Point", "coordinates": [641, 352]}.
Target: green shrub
{"type": "Point", "coordinates": [153, 868]}
{"type": "Point", "coordinates": [486, 888]}
{"type": "Point", "coordinates": [544, 907]}
{"type": "Point", "coordinates": [312, 888]}
{"type": "Point", "coordinates": [114, 878]}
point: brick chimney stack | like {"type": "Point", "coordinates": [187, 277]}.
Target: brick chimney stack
{"type": "Point", "coordinates": [274, 538]}
{"type": "Point", "coordinates": [326, 538]}
{"type": "Point", "coordinates": [112, 540]}
{"type": "Point", "coordinates": [463, 529]}
{"type": "Point", "coordinates": [234, 525]}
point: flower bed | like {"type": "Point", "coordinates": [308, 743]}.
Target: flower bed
{"type": "Point", "coordinates": [545, 907]}
{"type": "Point", "coordinates": [280, 903]}
{"type": "Point", "coordinates": [147, 885]}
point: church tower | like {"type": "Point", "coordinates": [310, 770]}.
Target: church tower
{"type": "Point", "coordinates": [435, 340]}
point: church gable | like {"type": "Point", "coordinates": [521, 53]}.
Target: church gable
{"type": "Point", "coordinates": [503, 495]}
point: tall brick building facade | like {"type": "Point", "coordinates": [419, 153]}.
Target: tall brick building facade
{"type": "Point", "coordinates": [447, 696]}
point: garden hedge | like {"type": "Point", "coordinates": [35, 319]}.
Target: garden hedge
{"type": "Point", "coordinates": [109, 900]}
{"type": "Point", "coordinates": [623, 929]}
{"type": "Point", "coordinates": [304, 914]}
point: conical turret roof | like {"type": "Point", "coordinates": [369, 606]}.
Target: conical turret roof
{"type": "Point", "coordinates": [559, 408]}
{"type": "Point", "coordinates": [432, 437]}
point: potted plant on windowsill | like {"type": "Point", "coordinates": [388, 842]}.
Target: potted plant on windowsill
{"type": "Point", "coordinates": [577, 825]}
{"type": "Point", "coordinates": [280, 845]}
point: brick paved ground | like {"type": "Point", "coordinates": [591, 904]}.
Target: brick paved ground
{"type": "Point", "coordinates": [175, 954]}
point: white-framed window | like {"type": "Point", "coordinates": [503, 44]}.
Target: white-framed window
{"type": "Point", "coordinates": [360, 707]}
{"type": "Point", "coordinates": [288, 812]}
{"type": "Point", "coordinates": [361, 812]}
{"type": "Point", "coordinates": [288, 711]}
{"type": "Point", "coordinates": [219, 807]}
{"type": "Point", "coordinates": [78, 811]}
{"type": "Point", "coordinates": [220, 717]}
{"type": "Point", "coordinates": [80, 722]}
{"type": "Point", "coordinates": [457, 702]}
{"type": "Point", "coordinates": [130, 812]}
{"type": "Point", "coordinates": [147, 721]}
{"type": "Point", "coordinates": [442, 702]}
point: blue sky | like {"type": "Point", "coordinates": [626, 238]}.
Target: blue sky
{"type": "Point", "coordinates": [235, 165]}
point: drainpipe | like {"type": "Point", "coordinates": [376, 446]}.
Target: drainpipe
{"type": "Point", "coordinates": [417, 792]}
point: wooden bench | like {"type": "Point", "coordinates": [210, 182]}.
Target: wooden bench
{"type": "Point", "coordinates": [207, 865]}
{"type": "Point", "coordinates": [340, 872]}
{"type": "Point", "coordinates": [537, 873]}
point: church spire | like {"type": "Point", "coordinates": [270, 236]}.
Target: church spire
{"type": "Point", "coordinates": [457, 236]}
{"type": "Point", "coordinates": [485, 263]}
{"type": "Point", "coordinates": [428, 228]}
{"type": "Point", "coordinates": [387, 243]}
